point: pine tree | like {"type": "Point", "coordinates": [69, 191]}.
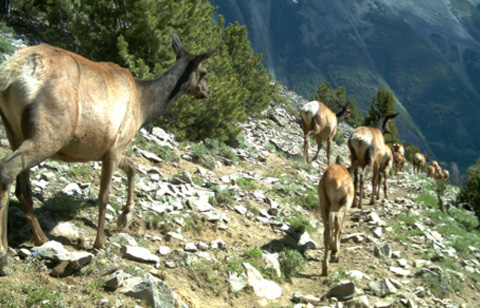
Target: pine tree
{"type": "Point", "coordinates": [137, 35]}
{"type": "Point", "coordinates": [329, 96]}
{"type": "Point", "coordinates": [384, 102]}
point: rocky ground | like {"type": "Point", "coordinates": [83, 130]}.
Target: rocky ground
{"type": "Point", "coordinates": [219, 227]}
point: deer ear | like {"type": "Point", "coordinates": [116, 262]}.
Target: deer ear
{"type": "Point", "coordinates": [391, 116]}
{"type": "Point", "coordinates": [204, 56]}
{"type": "Point", "coordinates": [177, 45]}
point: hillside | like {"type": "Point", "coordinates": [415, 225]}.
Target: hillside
{"type": "Point", "coordinates": [426, 52]}
{"type": "Point", "coordinates": [204, 210]}
{"type": "Point", "coordinates": [195, 229]}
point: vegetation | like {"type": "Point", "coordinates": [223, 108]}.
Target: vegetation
{"type": "Point", "coordinates": [328, 96]}
{"type": "Point", "coordinates": [137, 35]}
{"type": "Point", "coordinates": [384, 102]}
{"type": "Point", "coordinates": [470, 191]}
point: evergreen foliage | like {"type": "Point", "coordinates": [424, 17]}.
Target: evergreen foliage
{"type": "Point", "coordinates": [470, 191]}
{"type": "Point", "coordinates": [327, 95]}
{"type": "Point", "coordinates": [137, 35]}
{"type": "Point", "coordinates": [384, 101]}
{"type": "Point", "coordinates": [410, 152]}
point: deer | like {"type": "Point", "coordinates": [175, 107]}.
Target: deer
{"type": "Point", "coordinates": [419, 161]}
{"type": "Point", "coordinates": [56, 104]}
{"type": "Point", "coordinates": [367, 149]}
{"type": "Point", "coordinates": [318, 120]}
{"type": "Point", "coordinates": [335, 195]}
{"type": "Point", "coordinates": [398, 148]}
{"type": "Point", "coordinates": [431, 171]}
{"type": "Point", "coordinates": [384, 169]}
{"type": "Point", "coordinates": [398, 162]}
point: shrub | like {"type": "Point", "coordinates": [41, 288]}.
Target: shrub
{"type": "Point", "coordinates": [291, 262]}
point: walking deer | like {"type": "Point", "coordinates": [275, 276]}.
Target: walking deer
{"type": "Point", "coordinates": [57, 104]}
{"type": "Point", "coordinates": [419, 161]}
{"type": "Point", "coordinates": [335, 195]}
{"type": "Point", "coordinates": [319, 121]}
{"type": "Point", "coordinates": [367, 149]}
{"type": "Point", "coordinates": [383, 171]}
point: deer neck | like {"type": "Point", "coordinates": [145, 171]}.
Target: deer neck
{"type": "Point", "coordinates": [157, 95]}
{"type": "Point", "coordinates": [341, 115]}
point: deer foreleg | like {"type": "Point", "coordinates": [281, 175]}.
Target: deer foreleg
{"type": "Point", "coordinates": [127, 211]}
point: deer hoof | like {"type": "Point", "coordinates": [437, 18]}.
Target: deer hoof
{"type": "Point", "coordinates": [4, 270]}
{"type": "Point", "coordinates": [124, 220]}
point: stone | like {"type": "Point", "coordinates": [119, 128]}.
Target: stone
{"type": "Point", "coordinates": [305, 242]}
{"type": "Point", "coordinates": [164, 250]}
{"type": "Point", "coordinates": [139, 254]}
{"type": "Point", "coordinates": [240, 209]}
{"type": "Point", "coordinates": [237, 282]}
{"type": "Point", "coordinates": [72, 189]}
{"type": "Point", "coordinates": [384, 251]}
{"type": "Point", "coordinates": [190, 247]}
{"type": "Point", "coordinates": [115, 280]}
{"type": "Point", "coordinates": [382, 288]}
{"type": "Point", "coordinates": [217, 244]}
{"type": "Point", "coordinates": [357, 302]}
{"type": "Point", "coordinates": [154, 292]}
{"type": "Point", "coordinates": [271, 261]}
{"type": "Point", "coordinates": [261, 286]}
{"type": "Point", "coordinates": [400, 271]}
{"type": "Point", "coordinates": [66, 230]}
{"type": "Point", "coordinates": [122, 239]}
{"type": "Point", "coordinates": [342, 291]}
{"type": "Point", "coordinates": [49, 250]}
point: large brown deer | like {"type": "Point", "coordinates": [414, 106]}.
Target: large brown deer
{"type": "Point", "coordinates": [57, 104]}
{"type": "Point", "coordinates": [335, 195]}
{"type": "Point", "coordinates": [319, 121]}
{"type": "Point", "coordinates": [367, 149]}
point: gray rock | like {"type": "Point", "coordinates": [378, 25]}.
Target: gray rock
{"type": "Point", "coordinates": [384, 251]}
{"type": "Point", "coordinates": [262, 287]}
{"type": "Point", "coordinates": [122, 239]}
{"type": "Point", "coordinates": [342, 291]}
{"type": "Point", "coordinates": [357, 302]}
{"type": "Point", "coordinates": [400, 271]}
{"type": "Point", "coordinates": [72, 189]}
{"type": "Point", "coordinates": [305, 242]}
{"type": "Point", "coordinates": [66, 230]}
{"type": "Point", "coordinates": [382, 288]}
{"type": "Point", "coordinates": [139, 254]}
{"type": "Point", "coordinates": [115, 280]}
{"type": "Point", "coordinates": [154, 292]}
{"type": "Point", "coordinates": [183, 257]}
{"type": "Point", "coordinates": [237, 282]}
{"type": "Point", "coordinates": [240, 209]}
{"type": "Point", "coordinates": [49, 250]}
{"type": "Point", "coordinates": [190, 247]}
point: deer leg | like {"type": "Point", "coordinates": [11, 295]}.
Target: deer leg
{"type": "Point", "coordinates": [305, 149]}
{"type": "Point", "coordinates": [23, 192]}
{"type": "Point", "coordinates": [109, 164]}
{"type": "Point", "coordinates": [375, 179]}
{"type": "Point", "coordinates": [385, 185]}
{"type": "Point", "coordinates": [28, 154]}
{"type": "Point", "coordinates": [127, 211]}
{"type": "Point", "coordinates": [326, 244]}
{"type": "Point", "coordinates": [319, 146]}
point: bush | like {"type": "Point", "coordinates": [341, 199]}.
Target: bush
{"type": "Point", "coordinates": [291, 262]}
{"type": "Point", "coordinates": [470, 191]}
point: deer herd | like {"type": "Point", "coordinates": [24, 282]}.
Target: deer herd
{"type": "Point", "coordinates": [56, 104]}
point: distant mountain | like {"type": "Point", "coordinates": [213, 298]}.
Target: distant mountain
{"type": "Point", "coordinates": [427, 52]}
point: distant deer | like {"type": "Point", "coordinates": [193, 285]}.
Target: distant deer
{"type": "Point", "coordinates": [57, 104]}
{"type": "Point", "coordinates": [419, 161]}
{"type": "Point", "coordinates": [398, 162]}
{"type": "Point", "coordinates": [385, 166]}
{"type": "Point", "coordinates": [319, 121]}
{"type": "Point", "coordinates": [335, 195]}
{"type": "Point", "coordinates": [367, 149]}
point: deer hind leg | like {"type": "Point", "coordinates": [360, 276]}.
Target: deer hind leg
{"type": "Point", "coordinates": [324, 208]}
{"type": "Point", "coordinates": [385, 184]}
{"type": "Point", "coordinates": [127, 211]}
{"type": "Point", "coordinates": [375, 183]}
{"type": "Point", "coordinates": [23, 192]}
{"type": "Point", "coordinates": [28, 154]}
{"type": "Point", "coordinates": [335, 237]}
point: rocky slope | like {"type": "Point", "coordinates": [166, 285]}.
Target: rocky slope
{"type": "Point", "coordinates": [195, 230]}
{"type": "Point", "coordinates": [426, 52]}
{"type": "Point", "coordinates": [224, 236]}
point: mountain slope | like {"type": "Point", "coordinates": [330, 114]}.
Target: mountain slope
{"type": "Point", "coordinates": [427, 52]}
